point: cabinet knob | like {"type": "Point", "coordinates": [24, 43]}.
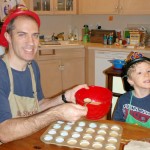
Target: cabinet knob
{"type": "Point", "coordinates": [117, 9]}
{"type": "Point", "coordinates": [61, 67]}
{"type": "Point", "coordinates": [56, 8]}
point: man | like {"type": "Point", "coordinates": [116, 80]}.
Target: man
{"type": "Point", "coordinates": [23, 109]}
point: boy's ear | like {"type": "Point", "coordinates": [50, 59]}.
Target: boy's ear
{"type": "Point", "coordinates": [130, 81]}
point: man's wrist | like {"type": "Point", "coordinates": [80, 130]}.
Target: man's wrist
{"type": "Point", "coordinates": [64, 98]}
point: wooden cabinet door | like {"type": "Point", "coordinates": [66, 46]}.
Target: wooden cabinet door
{"type": "Point", "coordinates": [135, 7]}
{"type": "Point", "coordinates": [42, 7]}
{"type": "Point", "coordinates": [27, 3]}
{"type": "Point", "coordinates": [51, 80]}
{"type": "Point", "coordinates": [49, 7]}
{"type": "Point", "coordinates": [73, 72]}
{"type": "Point", "coordinates": [65, 7]}
{"type": "Point", "coordinates": [98, 6]}
{"type": "Point", "coordinates": [60, 69]}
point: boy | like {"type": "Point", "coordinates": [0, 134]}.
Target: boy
{"type": "Point", "coordinates": [134, 106]}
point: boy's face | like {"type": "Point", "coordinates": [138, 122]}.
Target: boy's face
{"type": "Point", "coordinates": [140, 77]}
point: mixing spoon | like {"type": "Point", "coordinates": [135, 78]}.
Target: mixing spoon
{"type": "Point", "coordinates": [89, 101]}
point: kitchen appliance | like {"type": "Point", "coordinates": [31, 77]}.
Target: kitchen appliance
{"type": "Point", "coordinates": [102, 63]}
{"type": "Point", "coordinates": [97, 35]}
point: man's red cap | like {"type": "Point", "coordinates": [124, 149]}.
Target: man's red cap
{"type": "Point", "coordinates": [20, 10]}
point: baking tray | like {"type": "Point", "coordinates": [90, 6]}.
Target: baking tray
{"type": "Point", "coordinates": [84, 134]}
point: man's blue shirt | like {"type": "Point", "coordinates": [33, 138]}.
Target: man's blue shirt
{"type": "Point", "coordinates": [22, 86]}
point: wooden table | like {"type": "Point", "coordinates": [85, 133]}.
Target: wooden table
{"type": "Point", "coordinates": [33, 142]}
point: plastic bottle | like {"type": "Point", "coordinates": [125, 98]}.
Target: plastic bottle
{"type": "Point", "coordinates": [128, 39]}
{"type": "Point", "coordinates": [110, 39]}
{"type": "Point", "coordinates": [86, 29]}
{"type": "Point", "coordinates": [85, 38]}
{"type": "Point", "coordinates": [105, 39]}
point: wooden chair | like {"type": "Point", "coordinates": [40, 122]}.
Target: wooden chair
{"type": "Point", "coordinates": [111, 72]}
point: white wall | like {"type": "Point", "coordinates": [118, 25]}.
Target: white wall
{"type": "Point", "coordinates": [55, 24]}
{"type": "Point", "coordinates": [62, 23]}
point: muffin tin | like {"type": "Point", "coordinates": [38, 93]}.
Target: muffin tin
{"type": "Point", "coordinates": [84, 135]}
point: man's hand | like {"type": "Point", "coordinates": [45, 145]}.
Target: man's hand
{"type": "Point", "coordinates": [70, 94]}
{"type": "Point", "coordinates": [71, 112]}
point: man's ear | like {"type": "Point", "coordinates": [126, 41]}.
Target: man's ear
{"type": "Point", "coordinates": [130, 81]}
{"type": "Point", "coordinates": [7, 36]}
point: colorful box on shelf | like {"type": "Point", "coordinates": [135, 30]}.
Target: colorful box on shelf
{"type": "Point", "coordinates": [134, 37]}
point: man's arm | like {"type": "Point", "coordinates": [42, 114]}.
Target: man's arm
{"type": "Point", "coordinates": [25, 126]}
{"type": "Point", "coordinates": [51, 110]}
{"type": "Point", "coordinates": [69, 95]}
{"type": "Point", "coordinates": [48, 103]}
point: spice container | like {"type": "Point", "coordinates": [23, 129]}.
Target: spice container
{"type": "Point", "coordinates": [120, 41]}
{"type": "Point", "coordinates": [110, 39]}
{"type": "Point", "coordinates": [105, 39]}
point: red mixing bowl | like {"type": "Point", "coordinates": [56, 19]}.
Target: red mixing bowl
{"type": "Point", "coordinates": [96, 94]}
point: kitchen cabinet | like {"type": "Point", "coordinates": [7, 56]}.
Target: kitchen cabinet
{"type": "Point", "coordinates": [98, 6]}
{"type": "Point", "coordinates": [27, 3]}
{"type": "Point", "coordinates": [134, 7]}
{"type": "Point", "coordinates": [49, 7]}
{"type": "Point", "coordinates": [60, 69]}
{"type": "Point", "coordinates": [124, 7]}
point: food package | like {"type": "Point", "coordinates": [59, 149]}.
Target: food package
{"type": "Point", "coordinates": [137, 145]}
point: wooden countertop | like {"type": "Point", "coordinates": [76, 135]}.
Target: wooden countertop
{"type": "Point", "coordinates": [95, 46]}
{"type": "Point", "coordinates": [33, 142]}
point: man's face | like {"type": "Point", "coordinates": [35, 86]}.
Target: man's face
{"type": "Point", "coordinates": [24, 40]}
